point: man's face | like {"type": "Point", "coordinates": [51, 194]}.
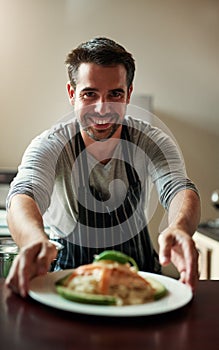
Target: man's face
{"type": "Point", "coordinates": [100, 99]}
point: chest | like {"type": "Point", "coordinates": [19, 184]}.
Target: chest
{"type": "Point", "coordinates": [110, 181]}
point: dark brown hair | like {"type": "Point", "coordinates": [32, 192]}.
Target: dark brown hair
{"type": "Point", "coordinates": [102, 51]}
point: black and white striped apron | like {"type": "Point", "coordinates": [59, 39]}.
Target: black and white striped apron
{"type": "Point", "coordinates": [101, 228]}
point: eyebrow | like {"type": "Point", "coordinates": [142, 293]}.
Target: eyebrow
{"type": "Point", "coordinates": [95, 89]}
{"type": "Point", "coordinates": [88, 89]}
{"type": "Point", "coordinates": [118, 90]}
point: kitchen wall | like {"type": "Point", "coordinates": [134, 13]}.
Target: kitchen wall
{"type": "Point", "coordinates": [175, 44]}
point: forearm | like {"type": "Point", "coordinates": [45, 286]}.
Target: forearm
{"type": "Point", "coordinates": [25, 221]}
{"type": "Point", "coordinates": [184, 211]}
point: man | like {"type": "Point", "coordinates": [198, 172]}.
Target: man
{"type": "Point", "coordinates": [89, 179]}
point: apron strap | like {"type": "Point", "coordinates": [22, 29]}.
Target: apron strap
{"type": "Point", "coordinates": [128, 155]}
{"type": "Point", "coordinates": [82, 160]}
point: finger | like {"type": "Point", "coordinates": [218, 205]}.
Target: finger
{"type": "Point", "coordinates": [191, 264]}
{"type": "Point", "coordinates": [165, 245]}
{"type": "Point", "coordinates": [35, 261]}
{"type": "Point", "coordinates": [27, 270]}
{"type": "Point", "coordinates": [23, 268]}
{"type": "Point", "coordinates": [46, 255]}
{"type": "Point", "coordinates": [183, 276]}
{"type": "Point", "coordinates": [11, 279]}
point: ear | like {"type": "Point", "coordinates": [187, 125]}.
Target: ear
{"type": "Point", "coordinates": [71, 93]}
{"type": "Point", "coordinates": [129, 93]}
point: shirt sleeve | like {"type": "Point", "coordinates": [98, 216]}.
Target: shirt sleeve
{"type": "Point", "coordinates": [166, 166]}
{"type": "Point", "coordinates": [36, 173]}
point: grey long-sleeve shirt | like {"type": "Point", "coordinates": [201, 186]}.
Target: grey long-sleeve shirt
{"type": "Point", "coordinates": [48, 172]}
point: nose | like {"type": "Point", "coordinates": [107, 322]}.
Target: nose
{"type": "Point", "coordinates": [102, 107]}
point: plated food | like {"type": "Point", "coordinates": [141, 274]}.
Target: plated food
{"type": "Point", "coordinates": [111, 279]}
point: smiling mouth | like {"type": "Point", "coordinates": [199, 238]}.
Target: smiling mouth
{"type": "Point", "coordinates": [102, 123]}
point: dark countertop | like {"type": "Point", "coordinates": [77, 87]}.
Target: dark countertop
{"type": "Point", "coordinates": [27, 324]}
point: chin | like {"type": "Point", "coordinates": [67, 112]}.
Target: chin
{"type": "Point", "coordinates": [102, 135]}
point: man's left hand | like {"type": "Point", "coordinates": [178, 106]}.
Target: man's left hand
{"type": "Point", "coordinates": [178, 247]}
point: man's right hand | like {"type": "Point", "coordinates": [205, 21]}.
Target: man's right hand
{"type": "Point", "coordinates": [33, 260]}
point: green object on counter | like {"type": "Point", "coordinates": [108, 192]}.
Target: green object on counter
{"type": "Point", "coordinates": [114, 255]}
{"type": "Point", "coordinates": [6, 261]}
{"type": "Point", "coordinates": [8, 251]}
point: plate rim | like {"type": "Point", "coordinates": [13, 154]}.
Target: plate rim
{"type": "Point", "coordinates": [38, 292]}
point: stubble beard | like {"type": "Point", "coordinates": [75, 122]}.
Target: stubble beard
{"type": "Point", "coordinates": [93, 134]}
{"type": "Point", "coordinates": [98, 134]}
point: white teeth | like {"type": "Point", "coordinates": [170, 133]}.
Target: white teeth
{"type": "Point", "coordinates": [100, 121]}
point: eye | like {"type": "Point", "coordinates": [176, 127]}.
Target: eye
{"type": "Point", "coordinates": [116, 94]}
{"type": "Point", "coordinates": [88, 95]}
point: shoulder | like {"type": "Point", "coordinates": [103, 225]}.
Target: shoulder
{"type": "Point", "coordinates": [52, 143]}
{"type": "Point", "coordinates": [140, 129]}
{"type": "Point", "coordinates": [151, 138]}
{"type": "Point", "coordinates": [61, 131]}
{"type": "Point", "coordinates": [58, 135]}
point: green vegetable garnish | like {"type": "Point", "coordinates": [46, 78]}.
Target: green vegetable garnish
{"type": "Point", "coordinates": [160, 289]}
{"type": "Point", "coordinates": [116, 256]}
{"type": "Point", "coordinates": [85, 298]}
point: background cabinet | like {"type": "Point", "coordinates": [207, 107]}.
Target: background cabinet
{"type": "Point", "coordinates": [208, 256]}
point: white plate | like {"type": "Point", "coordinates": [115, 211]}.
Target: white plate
{"type": "Point", "coordinates": [42, 289]}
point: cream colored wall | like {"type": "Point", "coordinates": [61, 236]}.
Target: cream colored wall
{"type": "Point", "coordinates": [175, 44]}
